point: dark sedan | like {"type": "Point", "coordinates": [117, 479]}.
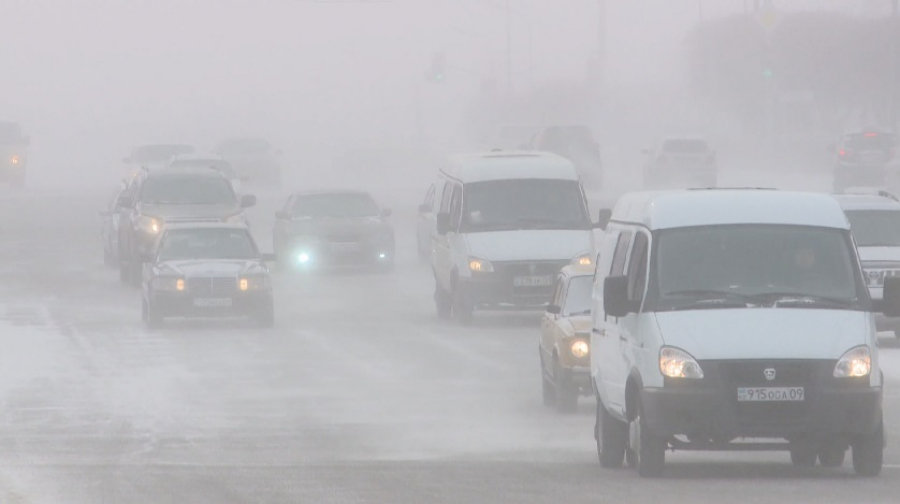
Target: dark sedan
{"type": "Point", "coordinates": [206, 270]}
{"type": "Point", "coordinates": [329, 229]}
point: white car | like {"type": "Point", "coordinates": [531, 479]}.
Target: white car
{"type": "Point", "coordinates": [735, 320]}
{"type": "Point", "coordinates": [875, 223]}
{"type": "Point", "coordinates": [506, 223]}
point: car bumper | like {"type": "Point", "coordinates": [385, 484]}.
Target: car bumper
{"type": "Point", "coordinates": [580, 378]}
{"type": "Point", "coordinates": [710, 411]}
{"type": "Point", "coordinates": [170, 304]}
{"type": "Point", "coordinates": [499, 288]}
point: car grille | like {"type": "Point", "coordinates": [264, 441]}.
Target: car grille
{"type": "Point", "coordinates": [212, 286]}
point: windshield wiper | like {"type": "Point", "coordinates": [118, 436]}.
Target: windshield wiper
{"type": "Point", "coordinates": [811, 300]}
{"type": "Point", "coordinates": [711, 299]}
{"type": "Point", "coordinates": [579, 313]}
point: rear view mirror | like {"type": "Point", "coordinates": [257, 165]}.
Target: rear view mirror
{"type": "Point", "coordinates": [443, 223]}
{"type": "Point", "coordinates": [424, 208]}
{"type": "Point", "coordinates": [248, 200]}
{"type": "Point", "coordinates": [891, 302]}
{"type": "Point", "coordinates": [282, 215]}
{"type": "Point", "coordinates": [554, 309]}
{"type": "Point", "coordinates": [603, 218]}
{"type": "Point", "coordinates": [386, 212]}
{"type": "Point", "coordinates": [615, 297]}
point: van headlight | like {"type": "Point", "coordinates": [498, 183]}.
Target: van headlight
{"type": "Point", "coordinates": [583, 260]}
{"type": "Point", "coordinates": [478, 265]}
{"type": "Point", "coordinates": [676, 363]}
{"type": "Point", "coordinates": [855, 363]}
{"type": "Point", "coordinates": [580, 348]}
{"type": "Point", "coordinates": [149, 225]}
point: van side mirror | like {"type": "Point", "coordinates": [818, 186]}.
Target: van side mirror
{"type": "Point", "coordinates": [443, 223]}
{"type": "Point", "coordinates": [891, 302]}
{"type": "Point", "coordinates": [248, 200]}
{"type": "Point", "coordinates": [554, 309]}
{"type": "Point", "coordinates": [615, 297]}
{"type": "Point", "coordinates": [603, 218]}
{"type": "Point", "coordinates": [124, 201]}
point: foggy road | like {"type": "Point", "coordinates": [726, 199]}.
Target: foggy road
{"type": "Point", "coordinates": [358, 394]}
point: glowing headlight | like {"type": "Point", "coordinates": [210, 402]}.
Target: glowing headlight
{"type": "Point", "coordinates": [855, 363]}
{"type": "Point", "coordinates": [676, 363]}
{"type": "Point", "coordinates": [14, 160]}
{"type": "Point", "coordinates": [253, 282]}
{"type": "Point", "coordinates": [149, 224]}
{"type": "Point", "coordinates": [583, 260]}
{"type": "Point", "coordinates": [169, 284]}
{"type": "Point", "coordinates": [303, 258]}
{"type": "Point", "coordinates": [477, 265]}
{"type": "Point", "coordinates": [580, 348]}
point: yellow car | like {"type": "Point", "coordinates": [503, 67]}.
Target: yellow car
{"type": "Point", "coordinates": [566, 339]}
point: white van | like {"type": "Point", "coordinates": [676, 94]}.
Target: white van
{"type": "Point", "coordinates": [506, 223]}
{"type": "Point", "coordinates": [875, 224]}
{"type": "Point", "coordinates": [734, 320]}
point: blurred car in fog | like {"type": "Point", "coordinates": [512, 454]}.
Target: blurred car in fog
{"type": "Point", "coordinates": [109, 226]}
{"type": "Point", "coordinates": [154, 156]}
{"type": "Point", "coordinates": [863, 158]}
{"type": "Point", "coordinates": [566, 339]}
{"type": "Point", "coordinates": [575, 143]}
{"type": "Point", "coordinates": [253, 159]}
{"type": "Point", "coordinates": [206, 270]}
{"type": "Point", "coordinates": [333, 228]}
{"type": "Point", "coordinates": [875, 224]}
{"type": "Point", "coordinates": [13, 154]}
{"type": "Point", "coordinates": [680, 162]}
{"type": "Point", "coordinates": [216, 162]}
{"type": "Point", "coordinates": [156, 198]}
{"type": "Point", "coordinates": [507, 223]}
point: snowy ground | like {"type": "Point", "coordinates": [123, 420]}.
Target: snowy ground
{"type": "Point", "coordinates": [359, 394]}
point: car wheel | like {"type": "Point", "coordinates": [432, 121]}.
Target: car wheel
{"type": "Point", "coordinates": [803, 453]}
{"type": "Point", "coordinates": [566, 394]}
{"type": "Point", "coordinates": [648, 449]}
{"type": "Point", "coordinates": [611, 435]}
{"type": "Point", "coordinates": [868, 453]}
{"type": "Point", "coordinates": [831, 454]}
{"type": "Point", "coordinates": [442, 302]}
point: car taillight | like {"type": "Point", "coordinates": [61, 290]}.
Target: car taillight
{"type": "Point", "coordinates": [842, 153]}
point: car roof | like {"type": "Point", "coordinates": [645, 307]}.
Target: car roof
{"type": "Point", "coordinates": [866, 202]}
{"type": "Point", "coordinates": [707, 207]}
{"type": "Point", "coordinates": [575, 270]}
{"type": "Point", "coordinates": [198, 171]}
{"type": "Point", "coordinates": [197, 157]}
{"type": "Point", "coordinates": [504, 165]}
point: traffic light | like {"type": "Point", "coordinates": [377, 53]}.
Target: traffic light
{"type": "Point", "coordinates": [437, 72]}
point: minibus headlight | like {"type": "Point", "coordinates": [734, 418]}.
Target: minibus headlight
{"type": "Point", "coordinates": [583, 260]}
{"type": "Point", "coordinates": [477, 265]}
{"type": "Point", "coordinates": [580, 348]}
{"type": "Point", "coordinates": [676, 363]}
{"type": "Point", "coordinates": [855, 363]}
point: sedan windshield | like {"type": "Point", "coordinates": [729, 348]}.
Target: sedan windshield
{"type": "Point", "coordinates": [875, 228]}
{"type": "Point", "coordinates": [187, 191]}
{"type": "Point", "coordinates": [523, 204]}
{"type": "Point", "coordinates": [578, 297]}
{"type": "Point", "coordinates": [334, 205]}
{"type": "Point", "coordinates": [756, 265]}
{"type": "Point", "coordinates": [182, 244]}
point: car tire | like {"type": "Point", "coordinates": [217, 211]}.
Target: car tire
{"type": "Point", "coordinates": [831, 454]}
{"type": "Point", "coordinates": [442, 302]}
{"type": "Point", "coordinates": [868, 453]}
{"type": "Point", "coordinates": [648, 449]}
{"type": "Point", "coordinates": [611, 435]}
{"type": "Point", "coordinates": [803, 453]}
{"type": "Point", "coordinates": [566, 393]}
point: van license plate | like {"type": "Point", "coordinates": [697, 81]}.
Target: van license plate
{"type": "Point", "coordinates": [533, 281]}
{"type": "Point", "coordinates": [212, 302]}
{"type": "Point", "coordinates": [775, 394]}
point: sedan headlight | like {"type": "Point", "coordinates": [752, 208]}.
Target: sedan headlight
{"type": "Point", "coordinates": [477, 265]}
{"type": "Point", "coordinates": [580, 348]}
{"type": "Point", "coordinates": [583, 260]}
{"type": "Point", "coordinates": [255, 282]}
{"type": "Point", "coordinates": [676, 363]}
{"type": "Point", "coordinates": [855, 363]}
{"type": "Point", "coordinates": [149, 225]}
{"type": "Point", "coordinates": [168, 284]}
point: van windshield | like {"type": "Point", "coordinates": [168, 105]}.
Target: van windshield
{"type": "Point", "coordinates": [755, 265]}
{"type": "Point", "coordinates": [502, 205]}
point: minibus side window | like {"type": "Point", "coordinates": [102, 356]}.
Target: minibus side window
{"type": "Point", "coordinates": [637, 268]}
{"type": "Point", "coordinates": [618, 262]}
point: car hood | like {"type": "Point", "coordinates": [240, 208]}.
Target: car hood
{"type": "Point", "coordinates": [879, 254]}
{"type": "Point", "coordinates": [211, 267]}
{"type": "Point", "coordinates": [764, 333]}
{"type": "Point", "coordinates": [338, 226]}
{"type": "Point", "coordinates": [176, 212]}
{"type": "Point", "coordinates": [578, 324]}
{"type": "Point", "coordinates": [529, 245]}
